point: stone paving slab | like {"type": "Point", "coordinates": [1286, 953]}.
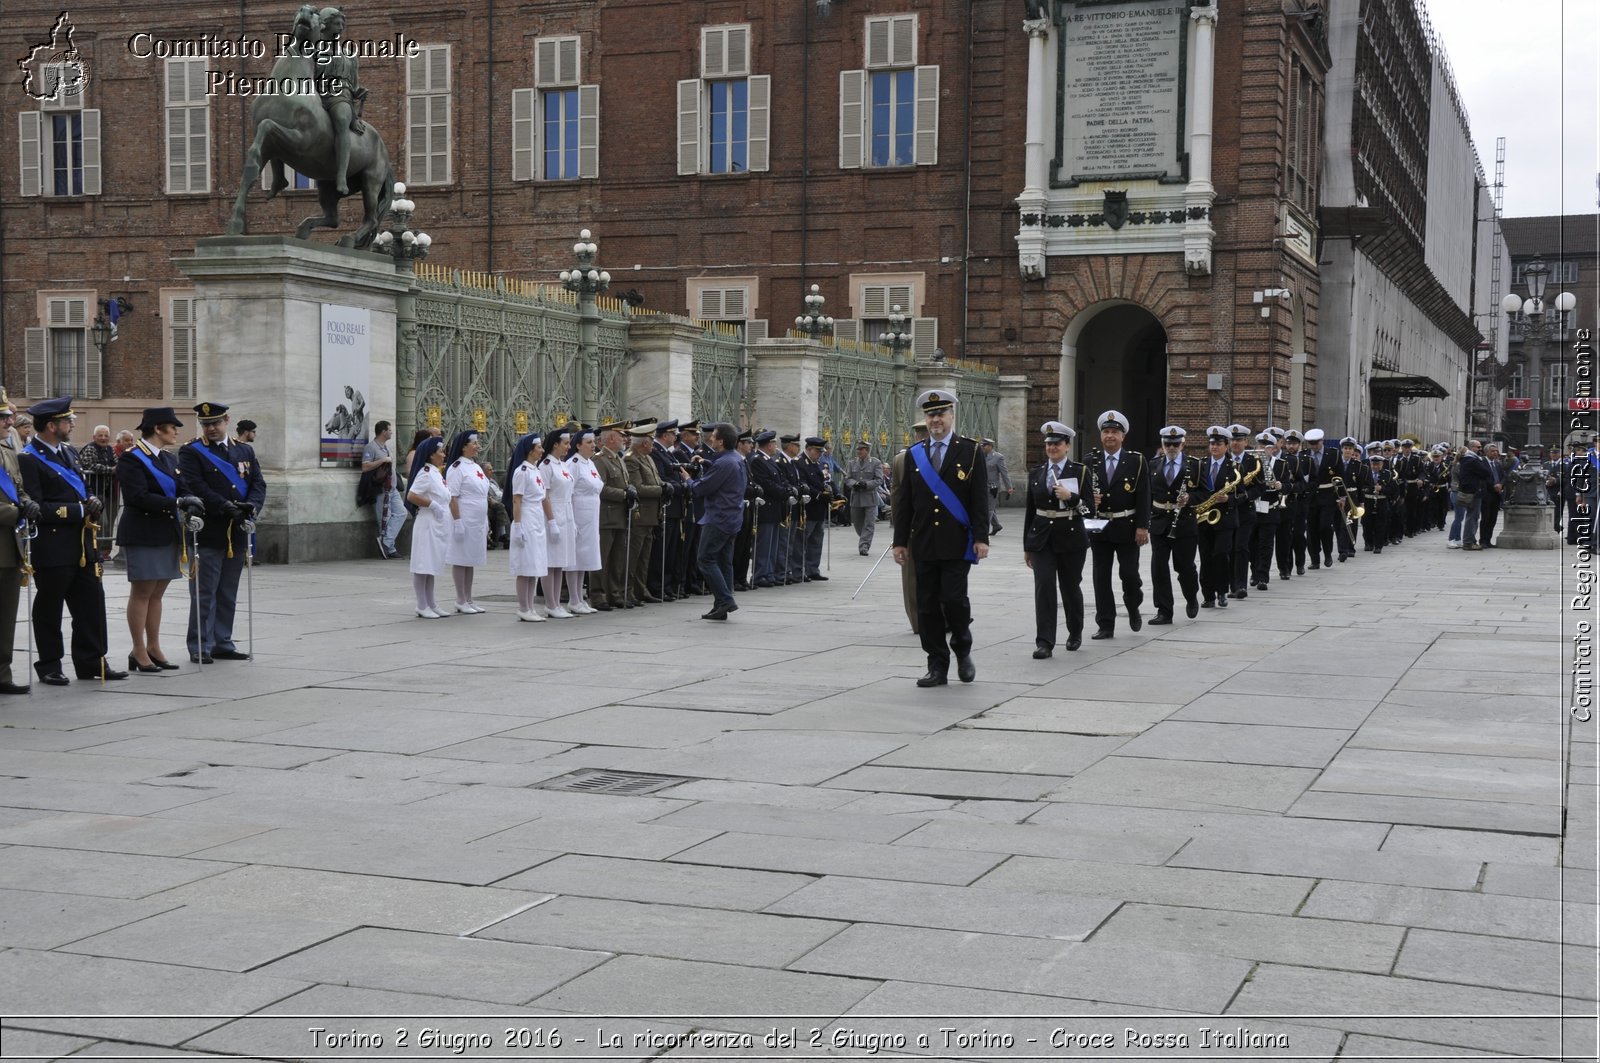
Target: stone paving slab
{"type": "Point", "coordinates": [799, 823]}
{"type": "Point", "coordinates": [130, 799]}
{"type": "Point", "coordinates": [799, 757]}
{"type": "Point", "coordinates": [1172, 783]}
{"type": "Point", "coordinates": [634, 725]}
{"type": "Point", "coordinates": [38, 920]}
{"type": "Point", "coordinates": [1517, 917]}
{"type": "Point", "coordinates": [1339, 713]}
{"type": "Point", "coordinates": [392, 730]}
{"type": "Point", "coordinates": [1070, 716]}
{"type": "Point", "coordinates": [1447, 776]}
{"type": "Point", "coordinates": [1224, 890]}
{"type": "Point", "coordinates": [859, 859]}
{"type": "Point", "coordinates": [141, 835]}
{"type": "Point", "coordinates": [666, 930]}
{"type": "Point", "coordinates": [210, 937]}
{"type": "Point", "coordinates": [1023, 754]}
{"type": "Point", "coordinates": [1233, 743]}
{"type": "Point", "coordinates": [1031, 839]}
{"type": "Point", "coordinates": [739, 694]}
{"type": "Point", "coordinates": [1116, 973]}
{"type": "Point", "coordinates": [95, 874]}
{"type": "Point", "coordinates": [1488, 846]}
{"type": "Point", "coordinates": [893, 706]}
{"type": "Point", "coordinates": [1291, 685]}
{"type": "Point", "coordinates": [1392, 729]}
{"type": "Point", "coordinates": [981, 784]}
{"type": "Point", "coordinates": [990, 911]}
{"type": "Point", "coordinates": [211, 752]}
{"type": "Point", "coordinates": [1498, 963]}
{"type": "Point", "coordinates": [402, 855]}
{"type": "Point", "coordinates": [1325, 863]}
{"type": "Point", "coordinates": [1347, 946]}
{"type": "Point", "coordinates": [1266, 829]}
{"type": "Point", "coordinates": [597, 837]}
{"type": "Point", "coordinates": [1431, 812]}
{"type": "Point", "coordinates": [1549, 883]}
{"type": "Point", "coordinates": [502, 972]}
{"type": "Point", "coordinates": [658, 882]}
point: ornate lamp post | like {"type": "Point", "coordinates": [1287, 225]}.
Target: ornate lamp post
{"type": "Point", "coordinates": [1537, 334]}
{"type": "Point", "coordinates": [814, 323]}
{"type": "Point", "coordinates": [896, 337]}
{"type": "Point", "coordinates": [397, 239]}
{"type": "Point", "coordinates": [586, 282]}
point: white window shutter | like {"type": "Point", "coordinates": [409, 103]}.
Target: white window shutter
{"type": "Point", "coordinates": [546, 64]}
{"type": "Point", "coordinates": [439, 68]}
{"type": "Point", "coordinates": [852, 118]}
{"type": "Point", "coordinates": [439, 138]}
{"type": "Point", "coordinates": [92, 375]}
{"type": "Point", "coordinates": [567, 60]}
{"type": "Point", "coordinates": [755, 331]}
{"type": "Point", "coordinates": [29, 134]}
{"type": "Point", "coordinates": [689, 126]}
{"type": "Point", "coordinates": [877, 42]}
{"type": "Point", "coordinates": [738, 51]}
{"type": "Point", "coordinates": [524, 153]}
{"type": "Point", "coordinates": [847, 329]}
{"type": "Point", "coordinates": [760, 137]}
{"type": "Point", "coordinates": [91, 155]}
{"type": "Point", "coordinates": [924, 336]}
{"type": "Point", "coordinates": [714, 52]}
{"type": "Point", "coordinates": [734, 304]}
{"type": "Point", "coordinates": [874, 301]}
{"type": "Point", "coordinates": [67, 313]}
{"type": "Point", "coordinates": [925, 151]}
{"type": "Point", "coordinates": [710, 304]}
{"type": "Point", "coordinates": [901, 295]}
{"type": "Point", "coordinates": [903, 40]}
{"type": "Point", "coordinates": [181, 318]}
{"type": "Point", "coordinates": [417, 72]}
{"type": "Point", "coordinates": [36, 364]}
{"type": "Point", "coordinates": [589, 131]}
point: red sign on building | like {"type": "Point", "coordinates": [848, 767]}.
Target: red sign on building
{"type": "Point", "coordinates": [1583, 405]}
{"type": "Point", "coordinates": [1514, 405]}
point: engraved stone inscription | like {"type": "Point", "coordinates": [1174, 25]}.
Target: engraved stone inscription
{"type": "Point", "coordinates": [1124, 89]}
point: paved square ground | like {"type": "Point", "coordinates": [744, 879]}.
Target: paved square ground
{"type": "Point", "coordinates": [1348, 816]}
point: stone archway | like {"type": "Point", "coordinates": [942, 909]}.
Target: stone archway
{"type": "Point", "coordinates": [1114, 356]}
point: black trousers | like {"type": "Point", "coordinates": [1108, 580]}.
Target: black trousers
{"type": "Point", "coordinates": [1054, 571]}
{"type": "Point", "coordinates": [1168, 556]}
{"type": "Point", "coordinates": [1243, 537]}
{"type": "Point", "coordinates": [77, 588]}
{"type": "Point", "coordinates": [943, 611]}
{"type": "Point", "coordinates": [1216, 560]}
{"type": "Point", "coordinates": [741, 548]}
{"type": "Point", "coordinates": [1331, 529]}
{"type": "Point", "coordinates": [1261, 549]}
{"type": "Point", "coordinates": [688, 575]}
{"type": "Point", "coordinates": [1490, 517]}
{"type": "Point", "coordinates": [1283, 542]}
{"type": "Point", "coordinates": [1126, 556]}
{"type": "Point", "coordinates": [1299, 518]}
{"type": "Point", "coordinates": [664, 557]}
{"type": "Point", "coordinates": [1416, 509]}
{"type": "Point", "coordinates": [1379, 516]}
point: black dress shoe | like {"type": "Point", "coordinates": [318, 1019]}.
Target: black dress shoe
{"type": "Point", "coordinates": [1222, 603]}
{"type": "Point", "coordinates": [166, 666]}
{"type": "Point", "coordinates": [719, 613]}
{"type": "Point", "coordinates": [195, 658]}
{"type": "Point", "coordinates": [1283, 575]}
{"type": "Point", "coordinates": [108, 675]}
{"type": "Point", "coordinates": [54, 679]}
{"type": "Point", "coordinates": [1160, 619]}
{"type": "Point", "coordinates": [818, 578]}
{"type": "Point", "coordinates": [230, 655]}
{"type": "Point", "coordinates": [1192, 609]}
{"type": "Point", "coordinates": [741, 586]}
{"type": "Point", "coordinates": [1238, 594]}
{"type": "Point", "coordinates": [966, 671]}
{"type": "Point", "coordinates": [1300, 570]}
{"type": "Point", "coordinates": [1207, 604]}
{"type": "Point", "coordinates": [1135, 621]}
{"type": "Point", "coordinates": [1314, 568]}
{"type": "Point", "coordinates": [1042, 653]}
{"type": "Point", "coordinates": [1103, 633]}
{"type": "Point", "coordinates": [142, 669]}
{"type": "Point", "coordinates": [12, 688]}
{"type": "Point", "coordinates": [1074, 641]}
{"type": "Point", "coordinates": [933, 679]}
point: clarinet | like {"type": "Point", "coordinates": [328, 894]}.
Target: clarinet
{"type": "Point", "coordinates": [1094, 483]}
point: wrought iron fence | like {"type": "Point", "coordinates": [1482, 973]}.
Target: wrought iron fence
{"type": "Point", "coordinates": [501, 355]}
{"type": "Point", "coordinates": [723, 384]}
{"type": "Point", "coordinates": [864, 394]}
{"type": "Point", "coordinates": [979, 390]}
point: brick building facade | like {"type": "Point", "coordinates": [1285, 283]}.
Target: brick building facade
{"type": "Point", "coordinates": [726, 155]}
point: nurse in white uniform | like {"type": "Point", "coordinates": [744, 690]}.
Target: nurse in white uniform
{"type": "Point", "coordinates": [528, 494]}
{"type": "Point", "coordinates": [429, 499]}
{"type": "Point", "coordinates": [586, 486]}
{"type": "Point", "coordinates": [469, 512]}
{"type": "Point", "coordinates": [559, 541]}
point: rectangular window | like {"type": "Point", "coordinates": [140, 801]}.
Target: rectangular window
{"type": "Point", "coordinates": [1518, 388]}
{"type": "Point", "coordinates": [428, 116]}
{"type": "Point", "coordinates": [1556, 388]}
{"type": "Point", "coordinates": [66, 154]}
{"type": "Point", "coordinates": [724, 116]}
{"type": "Point", "coordinates": [1562, 271]}
{"type": "Point", "coordinates": [1303, 128]}
{"type": "Point", "coordinates": [68, 364]}
{"type": "Point", "coordinates": [894, 104]}
{"type": "Point", "coordinates": [188, 127]}
{"type": "Point", "coordinates": [560, 134]}
{"type": "Point", "coordinates": [730, 127]}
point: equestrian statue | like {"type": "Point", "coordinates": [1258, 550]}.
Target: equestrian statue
{"type": "Point", "coordinates": [312, 123]}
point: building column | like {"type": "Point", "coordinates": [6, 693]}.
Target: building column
{"type": "Point", "coordinates": [1011, 426]}
{"type": "Point", "coordinates": [1030, 238]}
{"type": "Point", "coordinates": [788, 378]}
{"type": "Point", "coordinates": [660, 379]}
{"type": "Point", "coordinates": [1198, 234]}
{"type": "Point", "coordinates": [1067, 386]}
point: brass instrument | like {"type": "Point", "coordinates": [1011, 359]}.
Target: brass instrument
{"type": "Point", "coordinates": [1208, 512]}
{"type": "Point", "coordinates": [1352, 512]}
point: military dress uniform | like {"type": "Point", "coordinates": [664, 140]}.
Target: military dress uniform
{"type": "Point", "coordinates": [1213, 475]}
{"type": "Point", "coordinates": [1325, 524]}
{"type": "Point", "coordinates": [942, 544]}
{"type": "Point", "coordinates": [814, 483]}
{"type": "Point", "coordinates": [1409, 469]}
{"type": "Point", "coordinates": [15, 508]}
{"type": "Point", "coordinates": [1174, 536]}
{"type": "Point", "coordinates": [66, 563]}
{"type": "Point", "coordinates": [686, 578]}
{"type": "Point", "coordinates": [227, 477]}
{"type": "Point", "coordinates": [616, 515]}
{"type": "Point", "coordinates": [666, 559]}
{"type": "Point", "coordinates": [792, 549]}
{"type": "Point", "coordinates": [1055, 543]}
{"type": "Point", "coordinates": [772, 494]}
{"type": "Point", "coordinates": [1291, 546]}
{"type": "Point", "coordinates": [647, 518]}
{"type": "Point", "coordinates": [744, 543]}
{"type": "Point", "coordinates": [1384, 504]}
{"type": "Point", "coordinates": [1123, 480]}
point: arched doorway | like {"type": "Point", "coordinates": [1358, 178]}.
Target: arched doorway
{"type": "Point", "coordinates": [1118, 359]}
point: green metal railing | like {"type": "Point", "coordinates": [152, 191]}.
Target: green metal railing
{"type": "Point", "coordinates": [723, 382]}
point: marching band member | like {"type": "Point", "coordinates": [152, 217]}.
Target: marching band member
{"type": "Point", "coordinates": [1174, 537]}
{"type": "Point", "coordinates": [1054, 541]}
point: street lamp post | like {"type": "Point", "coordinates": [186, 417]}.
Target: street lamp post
{"type": "Point", "coordinates": [897, 337]}
{"type": "Point", "coordinates": [587, 282]}
{"type": "Point", "coordinates": [814, 323]}
{"type": "Point", "coordinates": [1537, 334]}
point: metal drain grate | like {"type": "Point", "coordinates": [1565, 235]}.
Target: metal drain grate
{"type": "Point", "coordinates": [596, 781]}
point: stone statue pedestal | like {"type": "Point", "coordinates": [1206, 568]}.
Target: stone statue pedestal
{"type": "Point", "coordinates": [1528, 528]}
{"type": "Point", "coordinates": [258, 324]}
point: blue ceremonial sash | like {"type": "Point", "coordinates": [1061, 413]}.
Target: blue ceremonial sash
{"type": "Point", "coordinates": [66, 472]}
{"type": "Point", "coordinates": [941, 491]}
{"type": "Point", "coordinates": [226, 467]}
{"type": "Point", "coordinates": [168, 485]}
{"type": "Point", "coordinates": [8, 485]}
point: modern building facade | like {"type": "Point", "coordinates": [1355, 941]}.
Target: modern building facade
{"type": "Point", "coordinates": [1138, 204]}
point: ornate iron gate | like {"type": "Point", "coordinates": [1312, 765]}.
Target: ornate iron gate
{"type": "Point", "coordinates": [864, 394]}
{"type": "Point", "coordinates": [723, 383]}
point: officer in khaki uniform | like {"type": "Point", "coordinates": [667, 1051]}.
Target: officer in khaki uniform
{"type": "Point", "coordinates": [15, 511]}
{"type": "Point", "coordinates": [646, 482]}
{"type": "Point", "coordinates": [617, 496]}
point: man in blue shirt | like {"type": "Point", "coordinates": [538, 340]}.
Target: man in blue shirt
{"type": "Point", "coordinates": [721, 489]}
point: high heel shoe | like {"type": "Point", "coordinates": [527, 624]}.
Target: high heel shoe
{"type": "Point", "coordinates": [146, 669]}
{"type": "Point", "coordinates": [165, 666]}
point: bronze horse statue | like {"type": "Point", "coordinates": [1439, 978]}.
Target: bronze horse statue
{"type": "Point", "coordinates": [293, 127]}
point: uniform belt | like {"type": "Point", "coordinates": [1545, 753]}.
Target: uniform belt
{"type": "Point", "coordinates": [1326, 487]}
{"type": "Point", "coordinates": [1166, 505]}
{"type": "Point", "coordinates": [1114, 516]}
{"type": "Point", "coordinates": [1058, 514]}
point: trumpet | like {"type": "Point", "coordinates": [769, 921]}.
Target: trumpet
{"type": "Point", "coordinates": [1209, 511]}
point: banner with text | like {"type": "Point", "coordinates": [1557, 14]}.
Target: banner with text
{"type": "Point", "coordinates": [346, 379]}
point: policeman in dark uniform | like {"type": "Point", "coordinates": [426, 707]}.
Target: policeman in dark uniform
{"type": "Point", "coordinates": [791, 551]}
{"type": "Point", "coordinates": [1173, 535]}
{"type": "Point", "coordinates": [940, 515]}
{"type": "Point", "coordinates": [1214, 475]}
{"type": "Point", "coordinates": [816, 492]}
{"type": "Point", "coordinates": [666, 559]}
{"type": "Point", "coordinates": [772, 496]}
{"type": "Point", "coordinates": [744, 542]}
{"type": "Point", "coordinates": [227, 477]}
{"type": "Point", "coordinates": [1054, 542]}
{"type": "Point", "coordinates": [1123, 480]}
{"type": "Point", "coordinates": [66, 564]}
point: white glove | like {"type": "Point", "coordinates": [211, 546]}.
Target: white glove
{"type": "Point", "coordinates": [518, 535]}
{"type": "Point", "coordinates": [553, 531]}
{"type": "Point", "coordinates": [458, 528]}
{"type": "Point", "coordinates": [805, 500]}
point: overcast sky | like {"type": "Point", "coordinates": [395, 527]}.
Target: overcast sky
{"type": "Point", "coordinates": [1529, 71]}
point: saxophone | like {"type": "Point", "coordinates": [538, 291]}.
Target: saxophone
{"type": "Point", "coordinates": [1209, 511]}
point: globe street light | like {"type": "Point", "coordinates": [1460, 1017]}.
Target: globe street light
{"type": "Point", "coordinates": [814, 323]}
{"type": "Point", "coordinates": [586, 281]}
{"type": "Point", "coordinates": [1537, 334]}
{"type": "Point", "coordinates": [398, 240]}
{"type": "Point", "coordinates": [896, 337]}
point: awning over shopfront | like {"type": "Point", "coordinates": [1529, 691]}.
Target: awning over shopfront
{"type": "Point", "coordinates": [1421, 387]}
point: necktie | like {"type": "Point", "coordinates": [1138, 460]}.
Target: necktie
{"type": "Point", "coordinates": [1172, 472]}
{"type": "Point", "coordinates": [1216, 470]}
{"type": "Point", "coordinates": [938, 454]}
{"type": "Point", "coordinates": [1111, 467]}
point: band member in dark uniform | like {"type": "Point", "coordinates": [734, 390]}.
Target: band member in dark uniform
{"type": "Point", "coordinates": [1214, 484]}
{"type": "Point", "coordinates": [1292, 532]}
{"type": "Point", "coordinates": [816, 487]}
{"type": "Point", "coordinates": [1054, 542]}
{"type": "Point", "coordinates": [1325, 524]}
{"type": "Point", "coordinates": [66, 564]}
{"type": "Point", "coordinates": [772, 495]}
{"type": "Point", "coordinates": [1123, 482]}
{"type": "Point", "coordinates": [745, 540]}
{"type": "Point", "coordinates": [1384, 494]}
{"type": "Point", "coordinates": [1270, 511]}
{"type": "Point", "coordinates": [1409, 470]}
{"type": "Point", "coordinates": [1173, 535]}
{"type": "Point", "coordinates": [666, 558]}
{"type": "Point", "coordinates": [1245, 496]}
{"type": "Point", "coordinates": [940, 514]}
